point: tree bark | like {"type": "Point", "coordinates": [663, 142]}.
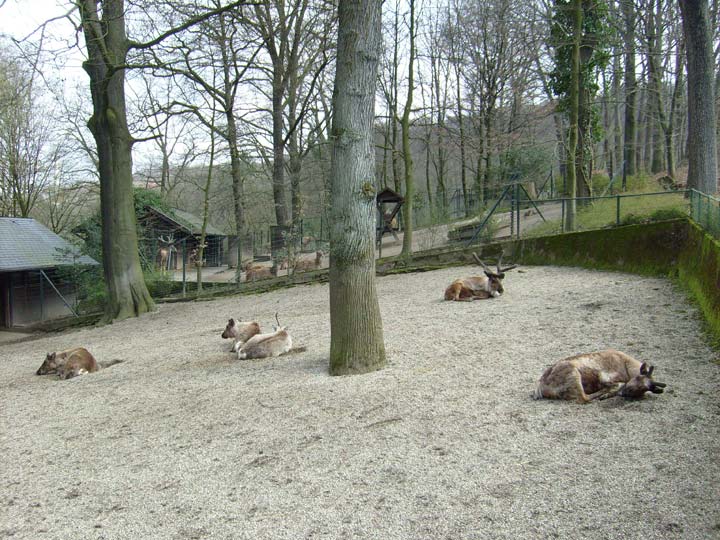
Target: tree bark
{"type": "Point", "coordinates": [107, 47]}
{"type": "Point", "coordinates": [702, 147]}
{"type": "Point", "coordinates": [356, 342]}
{"type": "Point", "coordinates": [574, 99]}
{"type": "Point", "coordinates": [408, 216]}
{"type": "Point", "coordinates": [629, 152]}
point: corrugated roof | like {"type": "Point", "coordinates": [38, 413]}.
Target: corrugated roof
{"type": "Point", "coordinates": [26, 244]}
{"type": "Point", "coordinates": [190, 223]}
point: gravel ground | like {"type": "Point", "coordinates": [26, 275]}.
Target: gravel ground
{"type": "Point", "coordinates": [183, 441]}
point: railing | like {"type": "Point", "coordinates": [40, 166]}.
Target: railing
{"type": "Point", "coordinates": [516, 215]}
{"type": "Point", "coordinates": [705, 211]}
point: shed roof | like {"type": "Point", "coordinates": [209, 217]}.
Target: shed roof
{"type": "Point", "coordinates": [388, 195]}
{"type": "Point", "coordinates": [26, 244]}
{"type": "Point", "coordinates": [185, 221]}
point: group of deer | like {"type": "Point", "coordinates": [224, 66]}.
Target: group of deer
{"type": "Point", "coordinates": [583, 378]}
{"type": "Point", "coordinates": [255, 271]}
{"type": "Point", "coordinates": [249, 342]}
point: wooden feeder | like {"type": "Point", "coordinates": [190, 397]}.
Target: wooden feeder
{"type": "Point", "coordinates": [388, 204]}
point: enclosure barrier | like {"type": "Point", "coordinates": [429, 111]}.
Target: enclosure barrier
{"type": "Point", "coordinates": [705, 210]}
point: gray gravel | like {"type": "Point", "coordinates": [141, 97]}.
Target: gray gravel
{"type": "Point", "coordinates": [184, 441]}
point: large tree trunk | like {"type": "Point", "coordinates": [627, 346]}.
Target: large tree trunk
{"type": "Point", "coordinates": [702, 148]}
{"type": "Point", "coordinates": [127, 294]}
{"type": "Point", "coordinates": [356, 335]}
{"type": "Point", "coordinates": [278, 183]}
{"type": "Point", "coordinates": [237, 187]}
{"type": "Point", "coordinates": [629, 152]}
{"type": "Point", "coordinates": [574, 99]}
{"type": "Point", "coordinates": [408, 216]}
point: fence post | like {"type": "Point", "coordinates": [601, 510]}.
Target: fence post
{"type": "Point", "coordinates": [517, 203]}
{"type": "Point", "coordinates": [617, 210]}
{"type": "Point", "coordinates": [184, 245]}
{"type": "Point", "coordinates": [562, 215]}
{"type": "Point", "coordinates": [512, 214]}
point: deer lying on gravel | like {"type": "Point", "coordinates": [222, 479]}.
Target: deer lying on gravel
{"type": "Point", "coordinates": [71, 363]}
{"type": "Point", "coordinates": [597, 375]}
{"type": "Point", "coordinates": [478, 287]}
{"type": "Point", "coordinates": [240, 332]}
{"type": "Point", "coordinates": [273, 343]}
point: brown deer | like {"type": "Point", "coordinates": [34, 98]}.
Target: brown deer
{"type": "Point", "coordinates": [597, 375]}
{"type": "Point", "coordinates": [478, 287]}
{"type": "Point", "coordinates": [167, 246]}
{"type": "Point", "coordinates": [257, 271]}
{"type": "Point", "coordinates": [240, 332]}
{"type": "Point", "coordinates": [309, 264]}
{"type": "Point", "coordinates": [72, 362]}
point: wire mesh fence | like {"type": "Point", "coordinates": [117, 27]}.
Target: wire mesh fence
{"type": "Point", "coordinates": [705, 210]}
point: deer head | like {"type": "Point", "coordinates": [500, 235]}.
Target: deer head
{"type": "Point", "coordinates": [495, 278]}
{"type": "Point", "coordinates": [636, 387]}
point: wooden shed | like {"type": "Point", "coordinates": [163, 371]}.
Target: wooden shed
{"type": "Point", "coordinates": [34, 279]}
{"type": "Point", "coordinates": [183, 229]}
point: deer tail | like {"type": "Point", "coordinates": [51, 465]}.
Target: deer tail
{"type": "Point", "coordinates": [109, 363]}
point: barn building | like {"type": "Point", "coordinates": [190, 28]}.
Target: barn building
{"type": "Point", "coordinates": [35, 273]}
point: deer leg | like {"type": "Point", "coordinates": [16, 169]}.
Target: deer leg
{"type": "Point", "coordinates": [607, 392]}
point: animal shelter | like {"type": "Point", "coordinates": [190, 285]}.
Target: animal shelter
{"type": "Point", "coordinates": [173, 236]}
{"type": "Point", "coordinates": [37, 270]}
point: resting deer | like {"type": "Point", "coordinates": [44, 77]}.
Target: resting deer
{"type": "Point", "coordinates": [597, 375]}
{"type": "Point", "coordinates": [257, 271]}
{"type": "Point", "coordinates": [478, 287]}
{"type": "Point", "coordinates": [240, 332]}
{"type": "Point", "coordinates": [309, 264]}
{"type": "Point", "coordinates": [71, 363]}
{"type": "Point", "coordinates": [273, 343]}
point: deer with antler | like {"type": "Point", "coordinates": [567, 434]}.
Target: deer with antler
{"type": "Point", "coordinates": [167, 246]}
{"type": "Point", "coordinates": [478, 287]}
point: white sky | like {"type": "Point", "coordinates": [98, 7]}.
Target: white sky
{"type": "Point", "coordinates": [21, 19]}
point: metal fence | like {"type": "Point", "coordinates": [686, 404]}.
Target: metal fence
{"type": "Point", "coordinates": [515, 215]}
{"type": "Point", "coordinates": [705, 210]}
{"type": "Point", "coordinates": [512, 214]}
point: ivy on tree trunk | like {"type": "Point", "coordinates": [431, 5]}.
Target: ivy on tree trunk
{"type": "Point", "coordinates": [107, 47]}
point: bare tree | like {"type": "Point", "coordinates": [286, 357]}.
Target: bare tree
{"type": "Point", "coordinates": [356, 344]}
{"type": "Point", "coordinates": [107, 46]}
{"type": "Point", "coordinates": [702, 146]}
{"type": "Point", "coordinates": [29, 153]}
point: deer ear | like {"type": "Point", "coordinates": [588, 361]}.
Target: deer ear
{"type": "Point", "coordinates": [501, 275]}
{"type": "Point", "coordinates": [643, 369]}
{"type": "Point", "coordinates": [650, 370]}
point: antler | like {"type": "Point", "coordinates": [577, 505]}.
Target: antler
{"type": "Point", "coordinates": [475, 255]}
{"type": "Point", "coordinates": [167, 239]}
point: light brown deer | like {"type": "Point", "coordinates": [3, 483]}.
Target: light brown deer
{"type": "Point", "coordinates": [240, 332]}
{"type": "Point", "coordinates": [309, 264]}
{"type": "Point", "coordinates": [257, 271]}
{"type": "Point", "coordinates": [478, 287]}
{"type": "Point", "coordinates": [597, 375]}
{"type": "Point", "coordinates": [273, 343]}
